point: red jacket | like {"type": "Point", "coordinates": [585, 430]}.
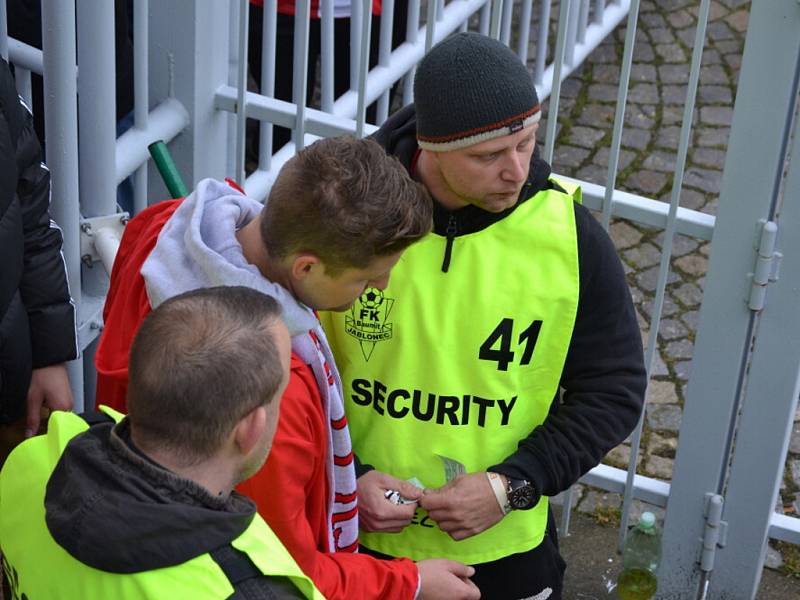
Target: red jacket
{"type": "Point", "coordinates": [291, 489]}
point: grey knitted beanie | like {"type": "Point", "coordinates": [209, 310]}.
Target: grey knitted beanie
{"type": "Point", "coordinates": [471, 88]}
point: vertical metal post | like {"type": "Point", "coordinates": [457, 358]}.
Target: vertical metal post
{"type": "Point", "coordinates": [666, 249]}
{"type": "Point", "coordinates": [268, 36]}
{"type": "Point", "coordinates": [558, 60]}
{"type": "Point", "coordinates": [485, 17]}
{"type": "Point", "coordinates": [497, 12]}
{"type": "Point", "coordinates": [22, 80]}
{"type": "Point", "coordinates": [619, 117]}
{"type": "Point", "coordinates": [327, 64]}
{"type": "Point", "coordinates": [767, 85]}
{"type": "Point", "coordinates": [241, 88]}
{"type": "Point", "coordinates": [572, 31]}
{"type": "Point", "coordinates": [524, 30]}
{"type": "Point", "coordinates": [300, 74]}
{"type": "Point", "coordinates": [385, 50]}
{"type": "Point", "coordinates": [541, 42]}
{"type": "Point", "coordinates": [3, 31]}
{"type": "Point", "coordinates": [363, 69]}
{"type": "Point", "coordinates": [599, 9]}
{"type": "Point", "coordinates": [412, 31]}
{"type": "Point", "coordinates": [61, 131]}
{"type": "Point", "coordinates": [141, 93]}
{"type": "Point", "coordinates": [505, 26]}
{"type": "Point", "coordinates": [430, 25]}
{"type": "Point", "coordinates": [356, 14]}
{"type": "Point", "coordinates": [583, 21]}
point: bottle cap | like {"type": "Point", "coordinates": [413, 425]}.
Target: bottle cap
{"type": "Point", "coordinates": [647, 520]}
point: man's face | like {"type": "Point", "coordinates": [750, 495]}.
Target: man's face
{"type": "Point", "coordinates": [337, 293]}
{"type": "Point", "coordinates": [259, 455]}
{"type": "Point", "coordinates": [489, 175]}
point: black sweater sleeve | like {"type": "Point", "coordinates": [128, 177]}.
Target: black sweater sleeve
{"type": "Point", "coordinates": [603, 380]}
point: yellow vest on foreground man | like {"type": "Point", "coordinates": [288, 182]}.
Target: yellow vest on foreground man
{"type": "Point", "coordinates": [143, 507]}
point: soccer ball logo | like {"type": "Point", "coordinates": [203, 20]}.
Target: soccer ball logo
{"type": "Point", "coordinates": [372, 298]}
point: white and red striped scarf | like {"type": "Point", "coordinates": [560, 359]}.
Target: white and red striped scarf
{"type": "Point", "coordinates": [342, 503]}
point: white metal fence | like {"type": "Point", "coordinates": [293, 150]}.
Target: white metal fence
{"type": "Point", "coordinates": [190, 82]}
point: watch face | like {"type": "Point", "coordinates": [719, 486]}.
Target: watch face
{"type": "Point", "coordinates": [521, 497]}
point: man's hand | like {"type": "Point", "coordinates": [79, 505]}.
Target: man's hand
{"type": "Point", "coordinates": [446, 579]}
{"type": "Point", "coordinates": [49, 389]}
{"type": "Point", "coordinates": [464, 507]}
{"type": "Point", "coordinates": [375, 511]}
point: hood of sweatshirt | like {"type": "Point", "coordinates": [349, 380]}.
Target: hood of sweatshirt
{"type": "Point", "coordinates": [114, 509]}
{"type": "Point", "coordinates": [198, 248]}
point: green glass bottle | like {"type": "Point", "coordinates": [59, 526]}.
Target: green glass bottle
{"type": "Point", "coordinates": [640, 560]}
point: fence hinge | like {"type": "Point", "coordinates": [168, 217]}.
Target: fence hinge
{"type": "Point", "coordinates": [768, 263]}
{"type": "Point", "coordinates": [100, 238]}
{"type": "Point", "coordinates": [715, 533]}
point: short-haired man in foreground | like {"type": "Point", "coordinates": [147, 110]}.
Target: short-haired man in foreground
{"type": "Point", "coordinates": [338, 217]}
{"type": "Point", "coordinates": [145, 507]}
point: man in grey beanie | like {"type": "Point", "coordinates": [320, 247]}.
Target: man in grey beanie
{"type": "Point", "coordinates": [504, 360]}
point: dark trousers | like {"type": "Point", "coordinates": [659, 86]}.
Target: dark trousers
{"type": "Point", "coordinates": [524, 576]}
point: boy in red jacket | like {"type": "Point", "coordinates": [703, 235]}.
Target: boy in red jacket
{"type": "Point", "coordinates": [338, 218]}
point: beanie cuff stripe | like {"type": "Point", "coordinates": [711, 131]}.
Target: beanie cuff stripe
{"type": "Point", "coordinates": [480, 134]}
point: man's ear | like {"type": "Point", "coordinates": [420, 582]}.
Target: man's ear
{"type": "Point", "coordinates": [250, 429]}
{"type": "Point", "coordinates": [304, 264]}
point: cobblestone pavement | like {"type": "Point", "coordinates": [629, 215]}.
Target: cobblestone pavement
{"type": "Point", "coordinates": [659, 78]}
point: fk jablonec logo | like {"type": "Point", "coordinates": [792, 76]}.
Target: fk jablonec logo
{"type": "Point", "coordinates": [367, 320]}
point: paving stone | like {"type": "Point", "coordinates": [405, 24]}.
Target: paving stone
{"type": "Point", "coordinates": [794, 441]}
{"type": "Point", "coordinates": [674, 94]}
{"type": "Point", "coordinates": [586, 137]}
{"type": "Point", "coordinates": [794, 472]}
{"type": "Point", "coordinates": [664, 416]}
{"type": "Point", "coordinates": [659, 367]}
{"type": "Point", "coordinates": [602, 92]}
{"type": "Point", "coordinates": [644, 93]}
{"type": "Point", "coordinates": [620, 457]}
{"type": "Point", "coordinates": [691, 318]}
{"type": "Point", "coordinates": [738, 21]}
{"type": "Point", "coordinates": [734, 61]}
{"type": "Point", "coordinates": [643, 73]}
{"type": "Point", "coordinates": [592, 500]}
{"type": "Point", "coordinates": [652, 20]}
{"type": "Point", "coordinates": [640, 115]}
{"type": "Point", "coordinates": [683, 369]}
{"type": "Point", "coordinates": [689, 294]}
{"type": "Point", "coordinates": [637, 295]}
{"type": "Point", "coordinates": [709, 157]}
{"type": "Point", "coordinates": [661, 392]}
{"type": "Point", "coordinates": [661, 35]}
{"type": "Point", "coordinates": [712, 136]}
{"type": "Point", "coordinates": [715, 94]}
{"type": "Point", "coordinates": [711, 74]}
{"type": "Point", "coordinates": [710, 207]}
{"type": "Point", "coordinates": [728, 46]}
{"type": "Point", "coordinates": [571, 87]}
{"type": "Point", "coordinates": [706, 180]}
{"type": "Point", "coordinates": [671, 329]}
{"type": "Point", "coordinates": [635, 138]}
{"type": "Point", "coordinates": [625, 158]}
{"type": "Point", "coordinates": [719, 30]}
{"type": "Point", "coordinates": [604, 53]}
{"type": "Point", "coordinates": [672, 115]}
{"type": "Point", "coordinates": [692, 199]}
{"type": "Point", "coordinates": [643, 52]}
{"type": "Point", "coordinates": [570, 156]}
{"type": "Point", "coordinates": [680, 19]}
{"type": "Point", "coordinates": [773, 558]}
{"type": "Point", "coordinates": [659, 467]}
{"type": "Point", "coordinates": [670, 5]}
{"type": "Point", "coordinates": [606, 74]}
{"type": "Point", "coordinates": [716, 115]}
{"type": "Point", "coordinates": [669, 307]}
{"type": "Point", "coordinates": [694, 264]}
{"type": "Point", "coordinates": [668, 137]}
{"type": "Point", "coordinates": [660, 444]}
{"type": "Point", "coordinates": [658, 160]}
{"type": "Point", "coordinates": [681, 244]}
{"type": "Point", "coordinates": [671, 53]}
{"type": "Point", "coordinates": [647, 281]}
{"type": "Point", "coordinates": [648, 182]}
{"type": "Point", "coordinates": [577, 494]}
{"type": "Point", "coordinates": [642, 256]}
{"type": "Point", "coordinates": [673, 73]}
{"type": "Point", "coordinates": [679, 349]}
{"type": "Point", "coordinates": [596, 115]}
{"type": "Point", "coordinates": [593, 174]}
{"type": "Point", "coordinates": [711, 57]}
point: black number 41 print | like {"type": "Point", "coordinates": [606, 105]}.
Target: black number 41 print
{"type": "Point", "coordinates": [497, 347]}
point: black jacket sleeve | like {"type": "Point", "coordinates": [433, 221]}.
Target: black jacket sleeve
{"type": "Point", "coordinates": [603, 380]}
{"type": "Point", "coordinates": [43, 288]}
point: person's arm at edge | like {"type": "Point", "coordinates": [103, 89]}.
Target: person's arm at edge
{"type": "Point", "coordinates": [604, 376]}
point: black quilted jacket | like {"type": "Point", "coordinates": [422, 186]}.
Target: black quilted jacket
{"type": "Point", "coordinates": [37, 317]}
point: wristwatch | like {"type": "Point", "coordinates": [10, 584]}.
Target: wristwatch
{"type": "Point", "coordinates": [520, 494]}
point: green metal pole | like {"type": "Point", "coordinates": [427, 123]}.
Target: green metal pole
{"type": "Point", "coordinates": [168, 170]}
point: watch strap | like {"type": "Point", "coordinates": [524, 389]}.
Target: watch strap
{"type": "Point", "coordinates": [499, 489]}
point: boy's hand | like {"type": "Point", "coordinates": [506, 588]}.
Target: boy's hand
{"type": "Point", "coordinates": [446, 580]}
